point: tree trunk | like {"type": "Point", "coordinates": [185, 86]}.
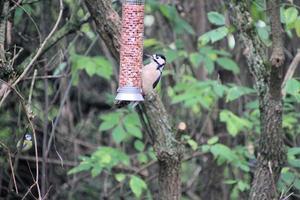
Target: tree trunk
{"type": "Point", "coordinates": [268, 77]}
{"type": "Point", "coordinates": [169, 179]}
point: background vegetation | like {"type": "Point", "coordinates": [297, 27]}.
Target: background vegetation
{"type": "Point", "coordinates": [86, 149]}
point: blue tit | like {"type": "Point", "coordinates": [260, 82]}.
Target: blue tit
{"type": "Point", "coordinates": [27, 143]}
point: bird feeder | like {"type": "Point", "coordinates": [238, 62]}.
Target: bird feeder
{"type": "Point", "coordinates": [131, 51]}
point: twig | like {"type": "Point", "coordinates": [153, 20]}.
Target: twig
{"type": "Point", "coordinates": [28, 14]}
{"type": "Point", "coordinates": [11, 165]}
{"type": "Point", "coordinates": [29, 190]}
{"type": "Point", "coordinates": [47, 77]}
{"type": "Point", "coordinates": [58, 115]}
{"type": "Point", "coordinates": [31, 87]}
{"type": "Point", "coordinates": [34, 138]}
{"type": "Point", "coordinates": [39, 51]}
{"type": "Point", "coordinates": [12, 172]}
{"type": "Point", "coordinates": [49, 160]}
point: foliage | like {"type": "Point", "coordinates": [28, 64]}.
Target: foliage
{"type": "Point", "coordinates": [221, 116]}
{"type": "Point", "coordinates": [103, 158]}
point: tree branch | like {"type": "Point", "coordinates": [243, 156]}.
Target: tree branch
{"type": "Point", "coordinates": [277, 57]}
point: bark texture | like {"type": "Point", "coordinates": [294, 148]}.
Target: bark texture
{"type": "Point", "coordinates": [268, 77]}
{"type": "Point", "coordinates": [168, 149]}
{"type": "Point", "coordinates": [108, 24]}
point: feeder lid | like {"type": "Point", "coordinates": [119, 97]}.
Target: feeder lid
{"type": "Point", "coordinates": [134, 2]}
{"type": "Point", "coordinates": [128, 93]}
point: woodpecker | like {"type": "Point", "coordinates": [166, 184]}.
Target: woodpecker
{"type": "Point", "coordinates": [151, 75]}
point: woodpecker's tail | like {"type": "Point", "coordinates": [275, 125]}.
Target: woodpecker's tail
{"type": "Point", "coordinates": [121, 104]}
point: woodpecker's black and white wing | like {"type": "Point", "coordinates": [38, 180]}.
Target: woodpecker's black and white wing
{"type": "Point", "coordinates": [156, 82]}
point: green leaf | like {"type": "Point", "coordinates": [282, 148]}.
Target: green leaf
{"type": "Point", "coordinates": [92, 65]}
{"type": "Point", "coordinates": [196, 59]}
{"type": "Point", "coordinates": [263, 33]}
{"type": "Point", "coordinates": [243, 186]}
{"type": "Point", "coordinates": [216, 18]}
{"type": "Point", "coordinates": [290, 15]}
{"type": "Point", "coordinates": [234, 124]}
{"type": "Point", "coordinates": [139, 145]}
{"type": "Point", "coordinates": [230, 181]}
{"type": "Point", "coordinates": [151, 42]}
{"type": "Point", "coordinates": [193, 144]}
{"type": "Point", "coordinates": [142, 158]}
{"type": "Point", "coordinates": [106, 126]}
{"type": "Point", "coordinates": [137, 185]}
{"type": "Point", "coordinates": [293, 151]}
{"type": "Point", "coordinates": [228, 64]}
{"type": "Point", "coordinates": [182, 27]}
{"type": "Point", "coordinates": [293, 87]}
{"type": "Point", "coordinates": [83, 166]}
{"type": "Point", "coordinates": [132, 119]}
{"type": "Point", "coordinates": [209, 65]}
{"type": "Point", "coordinates": [97, 169]}
{"type": "Point", "coordinates": [213, 35]}
{"type": "Point", "coordinates": [171, 55]}
{"type": "Point", "coordinates": [213, 140]}
{"type": "Point", "coordinates": [134, 130]}
{"type": "Point", "coordinates": [120, 177]}
{"type": "Point", "coordinates": [297, 26]}
{"type": "Point", "coordinates": [223, 153]}
{"type": "Point", "coordinates": [118, 134]}
{"type": "Point", "coordinates": [205, 148]}
{"type": "Point", "coordinates": [236, 92]}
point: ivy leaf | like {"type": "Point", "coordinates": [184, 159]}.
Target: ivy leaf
{"type": "Point", "coordinates": [216, 18]}
{"type": "Point", "coordinates": [137, 185]}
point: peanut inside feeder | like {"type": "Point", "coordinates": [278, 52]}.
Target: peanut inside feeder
{"type": "Point", "coordinates": [131, 51]}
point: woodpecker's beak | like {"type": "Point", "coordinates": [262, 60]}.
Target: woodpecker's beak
{"type": "Point", "coordinates": [146, 56]}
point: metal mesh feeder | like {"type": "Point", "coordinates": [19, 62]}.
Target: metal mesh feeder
{"type": "Point", "coordinates": [131, 51]}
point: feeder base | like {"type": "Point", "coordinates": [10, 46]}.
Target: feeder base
{"type": "Point", "coordinates": [128, 93]}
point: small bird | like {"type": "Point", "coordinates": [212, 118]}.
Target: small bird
{"type": "Point", "coordinates": [27, 143]}
{"type": "Point", "coordinates": [151, 75]}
